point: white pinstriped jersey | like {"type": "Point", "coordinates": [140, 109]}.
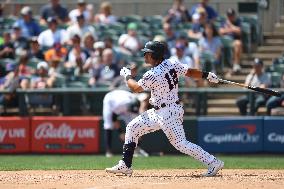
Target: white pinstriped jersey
{"type": "Point", "coordinates": [162, 81]}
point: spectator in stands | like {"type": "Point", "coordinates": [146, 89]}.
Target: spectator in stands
{"type": "Point", "coordinates": [57, 53]}
{"type": "Point", "coordinates": [80, 28]}
{"type": "Point", "coordinates": [76, 54]}
{"type": "Point", "coordinates": [256, 78]}
{"type": "Point", "coordinates": [180, 55]}
{"type": "Point", "coordinates": [7, 48]}
{"type": "Point", "coordinates": [81, 10]}
{"type": "Point", "coordinates": [34, 50]}
{"type": "Point", "coordinates": [198, 22]}
{"type": "Point", "coordinates": [232, 28]}
{"type": "Point", "coordinates": [129, 42]}
{"type": "Point", "coordinates": [28, 25]}
{"type": "Point", "coordinates": [105, 16]}
{"type": "Point", "coordinates": [41, 81]}
{"type": "Point", "coordinates": [106, 71]}
{"type": "Point", "coordinates": [210, 48]}
{"type": "Point", "coordinates": [54, 9]}
{"type": "Point", "coordinates": [9, 82]}
{"type": "Point", "coordinates": [88, 44]}
{"type": "Point", "coordinates": [178, 13]}
{"type": "Point", "coordinates": [25, 71]}
{"type": "Point", "coordinates": [274, 102]}
{"type": "Point", "coordinates": [96, 57]}
{"type": "Point", "coordinates": [170, 35]}
{"type": "Point", "coordinates": [211, 13]}
{"type": "Point", "coordinates": [19, 41]}
{"type": "Point", "coordinates": [52, 35]}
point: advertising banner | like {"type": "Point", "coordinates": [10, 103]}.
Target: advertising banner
{"type": "Point", "coordinates": [273, 134]}
{"type": "Point", "coordinates": [14, 135]}
{"type": "Point", "coordinates": [65, 134]}
{"type": "Point", "coordinates": [235, 134]}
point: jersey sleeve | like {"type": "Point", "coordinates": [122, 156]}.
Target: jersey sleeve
{"type": "Point", "coordinates": [180, 68]}
{"type": "Point", "coordinates": [146, 81]}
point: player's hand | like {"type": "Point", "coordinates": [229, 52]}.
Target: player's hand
{"type": "Point", "coordinates": [125, 72]}
{"type": "Point", "coordinates": [212, 78]}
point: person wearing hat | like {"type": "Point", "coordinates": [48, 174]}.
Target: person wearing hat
{"type": "Point", "coordinates": [34, 51]}
{"type": "Point", "coordinates": [27, 23]}
{"type": "Point", "coordinates": [19, 41]}
{"type": "Point", "coordinates": [54, 9]}
{"type": "Point", "coordinates": [232, 29]}
{"type": "Point", "coordinates": [52, 35]}
{"type": "Point", "coordinates": [80, 28]}
{"type": "Point", "coordinates": [257, 78]}
{"type": "Point", "coordinates": [130, 42]}
{"type": "Point", "coordinates": [81, 10]}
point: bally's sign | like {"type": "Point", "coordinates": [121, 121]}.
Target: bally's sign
{"type": "Point", "coordinates": [230, 134]}
{"type": "Point", "coordinates": [273, 134]}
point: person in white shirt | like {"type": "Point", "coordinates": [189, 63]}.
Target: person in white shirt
{"type": "Point", "coordinates": [80, 28]}
{"type": "Point", "coordinates": [105, 16]}
{"type": "Point", "coordinates": [83, 9]}
{"type": "Point", "coordinates": [52, 35]}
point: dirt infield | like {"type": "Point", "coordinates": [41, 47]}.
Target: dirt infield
{"type": "Point", "coordinates": [157, 179]}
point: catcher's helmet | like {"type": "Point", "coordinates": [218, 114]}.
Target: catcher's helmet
{"type": "Point", "coordinates": [156, 48]}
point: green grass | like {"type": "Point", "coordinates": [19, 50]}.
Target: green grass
{"type": "Point", "coordinates": [89, 162]}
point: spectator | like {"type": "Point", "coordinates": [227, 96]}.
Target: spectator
{"type": "Point", "coordinates": [7, 48]}
{"type": "Point", "coordinates": [181, 56]}
{"type": "Point", "coordinates": [57, 53]}
{"type": "Point", "coordinates": [34, 50]}
{"type": "Point", "coordinates": [10, 82]}
{"type": "Point", "coordinates": [41, 81]}
{"type": "Point", "coordinates": [177, 13]}
{"type": "Point", "coordinates": [256, 78]}
{"type": "Point", "coordinates": [88, 44]}
{"type": "Point", "coordinates": [108, 41]}
{"type": "Point", "coordinates": [211, 13]}
{"type": "Point", "coordinates": [210, 48]}
{"type": "Point", "coordinates": [27, 24]}
{"type": "Point", "coordinates": [96, 58]}
{"type": "Point", "coordinates": [106, 71]}
{"type": "Point", "coordinates": [52, 35]}
{"type": "Point", "coordinates": [129, 42]}
{"type": "Point", "coordinates": [25, 71]}
{"type": "Point", "coordinates": [198, 22]}
{"type": "Point", "coordinates": [80, 28]}
{"type": "Point", "coordinates": [232, 29]}
{"type": "Point", "coordinates": [19, 41]}
{"type": "Point", "coordinates": [105, 16]}
{"type": "Point", "coordinates": [81, 10]}
{"type": "Point", "coordinates": [54, 9]}
{"type": "Point", "coordinates": [170, 35]}
{"type": "Point", "coordinates": [276, 102]}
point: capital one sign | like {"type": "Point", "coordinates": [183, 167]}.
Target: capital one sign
{"type": "Point", "coordinates": [65, 134]}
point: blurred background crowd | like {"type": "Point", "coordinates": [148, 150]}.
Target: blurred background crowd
{"type": "Point", "coordinates": [81, 48]}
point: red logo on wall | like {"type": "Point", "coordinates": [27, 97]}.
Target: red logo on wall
{"type": "Point", "coordinates": [65, 134]}
{"type": "Point", "coordinates": [14, 135]}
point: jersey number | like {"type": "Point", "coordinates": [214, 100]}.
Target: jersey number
{"type": "Point", "coordinates": [172, 78]}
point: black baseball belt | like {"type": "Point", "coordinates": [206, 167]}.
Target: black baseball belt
{"type": "Point", "coordinates": [164, 105]}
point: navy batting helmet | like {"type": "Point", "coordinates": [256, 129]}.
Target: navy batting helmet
{"type": "Point", "coordinates": [156, 48]}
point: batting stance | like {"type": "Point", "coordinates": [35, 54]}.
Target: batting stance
{"type": "Point", "coordinates": [167, 114]}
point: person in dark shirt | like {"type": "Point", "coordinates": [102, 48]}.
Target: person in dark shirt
{"type": "Point", "coordinates": [20, 42]}
{"type": "Point", "coordinates": [35, 51]}
{"type": "Point", "coordinates": [54, 9]}
{"type": "Point", "coordinates": [177, 13]}
{"type": "Point", "coordinates": [232, 28]}
{"type": "Point", "coordinates": [211, 13]}
{"type": "Point", "coordinates": [7, 48]}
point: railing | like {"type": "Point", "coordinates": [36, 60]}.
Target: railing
{"type": "Point", "coordinates": [201, 96]}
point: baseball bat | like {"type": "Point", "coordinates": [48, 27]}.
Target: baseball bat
{"type": "Point", "coordinates": [258, 89]}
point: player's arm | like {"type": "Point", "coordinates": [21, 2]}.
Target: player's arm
{"type": "Point", "coordinates": [198, 74]}
{"type": "Point", "coordinates": [132, 84]}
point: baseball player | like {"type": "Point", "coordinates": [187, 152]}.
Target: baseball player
{"type": "Point", "coordinates": [119, 104]}
{"type": "Point", "coordinates": [167, 112]}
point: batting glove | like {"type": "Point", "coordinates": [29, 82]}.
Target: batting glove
{"type": "Point", "coordinates": [212, 78]}
{"type": "Point", "coordinates": [125, 72]}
